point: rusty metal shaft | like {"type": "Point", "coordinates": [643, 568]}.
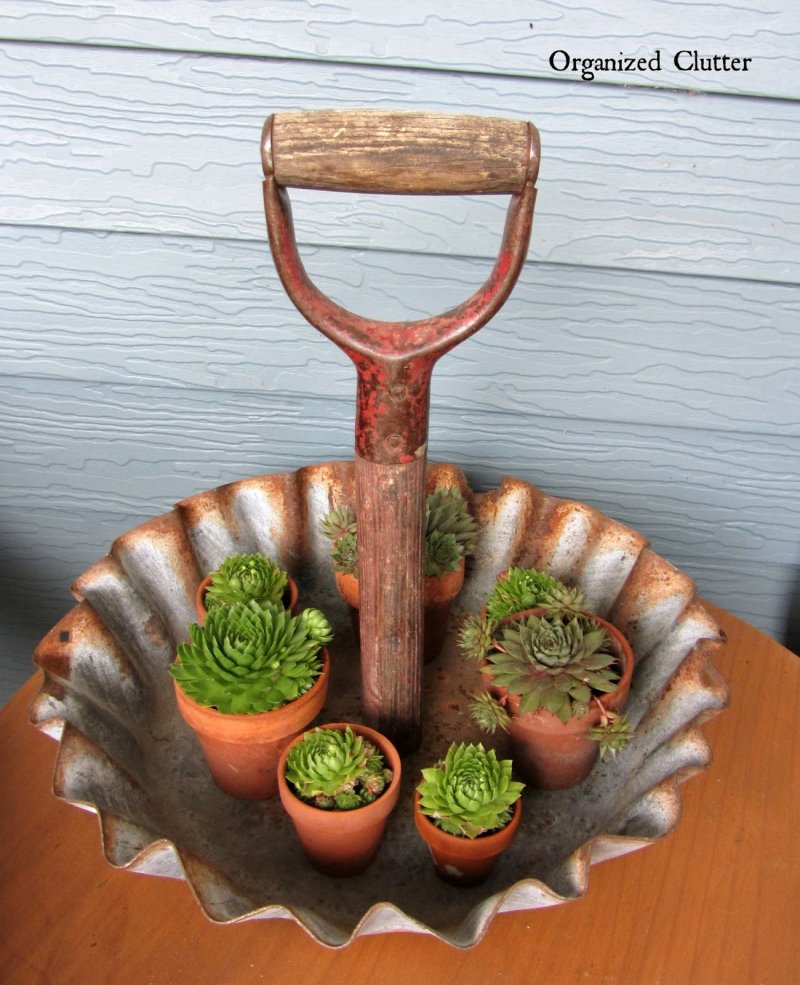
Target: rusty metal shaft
{"type": "Point", "coordinates": [394, 362]}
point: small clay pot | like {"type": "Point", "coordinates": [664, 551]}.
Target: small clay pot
{"type": "Point", "coordinates": [439, 593]}
{"type": "Point", "coordinates": [242, 751]}
{"type": "Point", "coordinates": [551, 754]}
{"type": "Point", "coordinates": [465, 861]}
{"type": "Point", "coordinates": [289, 597]}
{"type": "Point", "coordinates": [342, 843]}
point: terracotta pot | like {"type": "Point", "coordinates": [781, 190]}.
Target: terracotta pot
{"type": "Point", "coordinates": [439, 593]}
{"type": "Point", "coordinates": [342, 843]}
{"type": "Point", "coordinates": [289, 597]}
{"type": "Point", "coordinates": [549, 753]}
{"type": "Point", "coordinates": [242, 751]}
{"type": "Point", "coordinates": [465, 861]}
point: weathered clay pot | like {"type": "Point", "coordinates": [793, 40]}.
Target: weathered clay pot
{"type": "Point", "coordinates": [465, 861]}
{"type": "Point", "coordinates": [439, 593]}
{"type": "Point", "coordinates": [289, 597]}
{"type": "Point", "coordinates": [549, 753]}
{"type": "Point", "coordinates": [242, 751]}
{"type": "Point", "coordinates": [342, 843]}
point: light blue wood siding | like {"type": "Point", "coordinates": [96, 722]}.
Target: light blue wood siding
{"type": "Point", "coordinates": [647, 363]}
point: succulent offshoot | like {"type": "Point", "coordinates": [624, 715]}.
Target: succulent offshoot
{"type": "Point", "coordinates": [470, 792]}
{"type": "Point", "coordinates": [334, 769]}
{"type": "Point", "coordinates": [489, 713]}
{"type": "Point", "coordinates": [475, 637]}
{"type": "Point", "coordinates": [246, 577]}
{"type": "Point", "coordinates": [613, 732]}
{"type": "Point", "coordinates": [247, 658]}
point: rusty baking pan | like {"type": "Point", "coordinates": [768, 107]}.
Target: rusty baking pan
{"type": "Point", "coordinates": [125, 753]}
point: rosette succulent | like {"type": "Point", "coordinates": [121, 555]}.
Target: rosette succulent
{"type": "Point", "coordinates": [336, 769]}
{"type": "Point", "coordinates": [248, 658]}
{"type": "Point", "coordinates": [450, 533]}
{"type": "Point", "coordinates": [554, 661]}
{"type": "Point", "coordinates": [470, 792]}
{"type": "Point", "coordinates": [246, 577]}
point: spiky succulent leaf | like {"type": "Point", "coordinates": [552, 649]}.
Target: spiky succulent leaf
{"type": "Point", "coordinates": [442, 553]}
{"type": "Point", "coordinates": [336, 769]}
{"type": "Point", "coordinates": [489, 714]}
{"type": "Point", "coordinates": [339, 522]}
{"type": "Point", "coordinates": [345, 554]}
{"type": "Point", "coordinates": [527, 588]}
{"type": "Point", "coordinates": [469, 792]}
{"type": "Point", "coordinates": [247, 658]}
{"type": "Point", "coordinates": [246, 577]}
{"type": "Point", "coordinates": [475, 637]}
{"type": "Point", "coordinates": [446, 513]}
{"type": "Point", "coordinates": [555, 661]}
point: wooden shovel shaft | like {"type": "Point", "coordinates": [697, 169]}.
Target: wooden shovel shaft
{"type": "Point", "coordinates": [391, 524]}
{"type": "Point", "coordinates": [394, 360]}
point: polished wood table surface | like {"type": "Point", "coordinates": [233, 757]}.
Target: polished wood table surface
{"type": "Point", "coordinates": [717, 902]}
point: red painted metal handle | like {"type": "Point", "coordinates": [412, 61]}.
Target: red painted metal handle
{"type": "Point", "coordinates": [394, 360]}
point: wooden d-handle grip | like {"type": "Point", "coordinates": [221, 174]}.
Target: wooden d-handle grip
{"type": "Point", "coordinates": [400, 152]}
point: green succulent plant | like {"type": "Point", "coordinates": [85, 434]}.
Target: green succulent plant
{"type": "Point", "coordinates": [246, 577]}
{"type": "Point", "coordinates": [561, 660]}
{"type": "Point", "coordinates": [345, 554]}
{"type": "Point", "coordinates": [339, 522]}
{"type": "Point", "coordinates": [248, 658]}
{"type": "Point", "coordinates": [470, 792]}
{"type": "Point", "coordinates": [336, 769]}
{"type": "Point", "coordinates": [527, 588]}
{"type": "Point", "coordinates": [516, 590]}
{"type": "Point", "coordinates": [613, 733]}
{"type": "Point", "coordinates": [554, 661]}
{"type": "Point", "coordinates": [450, 533]}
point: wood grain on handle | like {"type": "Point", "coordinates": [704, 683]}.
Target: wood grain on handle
{"type": "Point", "coordinates": [400, 152]}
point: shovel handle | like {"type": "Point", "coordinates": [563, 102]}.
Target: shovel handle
{"type": "Point", "coordinates": [400, 152]}
{"type": "Point", "coordinates": [411, 153]}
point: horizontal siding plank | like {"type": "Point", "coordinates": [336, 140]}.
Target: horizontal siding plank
{"type": "Point", "coordinates": [70, 447]}
{"type": "Point", "coordinates": [514, 38]}
{"type": "Point", "coordinates": [84, 464]}
{"type": "Point", "coordinates": [640, 179]}
{"type": "Point", "coordinates": [573, 342]}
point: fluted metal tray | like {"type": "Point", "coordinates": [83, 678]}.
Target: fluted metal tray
{"type": "Point", "coordinates": [125, 753]}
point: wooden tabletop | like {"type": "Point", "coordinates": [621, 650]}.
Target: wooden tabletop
{"type": "Point", "coordinates": [717, 902]}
